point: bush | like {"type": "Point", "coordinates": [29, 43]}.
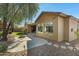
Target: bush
{"type": "Point", "coordinates": [3, 46]}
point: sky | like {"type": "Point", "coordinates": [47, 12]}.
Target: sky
{"type": "Point", "coordinates": [67, 8]}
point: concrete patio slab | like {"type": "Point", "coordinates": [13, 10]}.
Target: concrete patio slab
{"type": "Point", "coordinates": [56, 45]}
{"type": "Point", "coordinates": [35, 42]}
{"type": "Point", "coordinates": [67, 43]}
{"type": "Point", "coordinates": [64, 47]}
{"type": "Point", "coordinates": [56, 49]}
{"type": "Point", "coordinates": [49, 43]}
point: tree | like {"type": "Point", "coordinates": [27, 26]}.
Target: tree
{"type": "Point", "coordinates": [14, 13]}
{"type": "Point", "coordinates": [32, 9]}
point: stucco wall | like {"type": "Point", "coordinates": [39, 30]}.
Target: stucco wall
{"type": "Point", "coordinates": [72, 25]}
{"type": "Point", "coordinates": [66, 29]}
{"type": "Point", "coordinates": [45, 18]}
{"type": "Point", "coordinates": [60, 28]}
{"type": "Point", "coordinates": [78, 26]}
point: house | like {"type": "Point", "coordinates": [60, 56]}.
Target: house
{"type": "Point", "coordinates": [56, 26]}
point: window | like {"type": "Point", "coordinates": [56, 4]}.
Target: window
{"type": "Point", "coordinates": [49, 28]}
{"type": "Point", "coordinates": [40, 28]}
{"type": "Point", "coordinates": [71, 29]}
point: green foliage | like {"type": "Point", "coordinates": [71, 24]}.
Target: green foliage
{"type": "Point", "coordinates": [3, 46]}
{"type": "Point", "coordinates": [13, 13]}
{"type": "Point", "coordinates": [18, 12]}
{"type": "Point", "coordinates": [16, 34]}
{"type": "Point", "coordinates": [19, 33]}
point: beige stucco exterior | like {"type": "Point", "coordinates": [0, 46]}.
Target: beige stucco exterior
{"type": "Point", "coordinates": [72, 25]}
{"type": "Point", "coordinates": [62, 25]}
{"type": "Point", "coordinates": [60, 28]}
{"type": "Point", "coordinates": [45, 19]}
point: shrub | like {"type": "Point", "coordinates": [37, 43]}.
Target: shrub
{"type": "Point", "coordinates": [3, 46]}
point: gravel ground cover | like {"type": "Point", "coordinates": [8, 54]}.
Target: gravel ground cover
{"type": "Point", "coordinates": [47, 50]}
{"type": "Point", "coordinates": [55, 48]}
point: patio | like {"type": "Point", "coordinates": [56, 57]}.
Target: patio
{"type": "Point", "coordinates": [42, 47]}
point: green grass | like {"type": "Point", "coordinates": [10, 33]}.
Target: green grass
{"type": "Point", "coordinates": [16, 34]}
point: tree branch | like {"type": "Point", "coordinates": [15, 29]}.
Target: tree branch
{"type": "Point", "coordinates": [12, 18]}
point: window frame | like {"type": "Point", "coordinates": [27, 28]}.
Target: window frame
{"type": "Point", "coordinates": [49, 29]}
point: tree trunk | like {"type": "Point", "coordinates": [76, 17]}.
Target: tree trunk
{"type": "Point", "coordinates": [5, 29]}
{"type": "Point", "coordinates": [4, 36]}
{"type": "Point", "coordinates": [12, 26]}
{"type": "Point", "coordinates": [25, 25]}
